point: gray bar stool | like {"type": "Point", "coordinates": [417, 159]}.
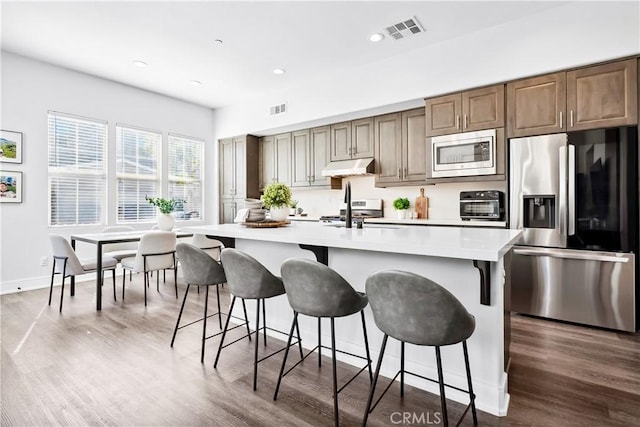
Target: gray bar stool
{"type": "Point", "coordinates": [315, 290]}
{"type": "Point", "coordinates": [248, 279]}
{"type": "Point", "coordinates": [416, 310]}
{"type": "Point", "coordinates": [200, 269]}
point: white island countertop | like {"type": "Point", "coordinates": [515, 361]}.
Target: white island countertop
{"type": "Point", "coordinates": [449, 242]}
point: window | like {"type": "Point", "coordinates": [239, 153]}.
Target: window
{"type": "Point", "coordinates": [185, 176]}
{"type": "Point", "coordinates": [137, 172]}
{"type": "Point", "coordinates": [76, 170]}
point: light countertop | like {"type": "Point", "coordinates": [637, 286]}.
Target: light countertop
{"type": "Point", "coordinates": [440, 221]}
{"type": "Point", "coordinates": [486, 244]}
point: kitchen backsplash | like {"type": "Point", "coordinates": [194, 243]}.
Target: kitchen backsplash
{"type": "Point", "coordinates": [443, 198]}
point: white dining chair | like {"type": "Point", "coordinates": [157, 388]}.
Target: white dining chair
{"type": "Point", "coordinates": [156, 251]}
{"type": "Point", "coordinates": [120, 250]}
{"type": "Point", "coordinates": [212, 247]}
{"type": "Point", "coordinates": [67, 263]}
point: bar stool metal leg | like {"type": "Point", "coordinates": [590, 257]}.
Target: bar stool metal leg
{"type": "Point", "coordinates": [443, 398]}
{"type": "Point", "coordinates": [224, 332]}
{"type": "Point", "coordinates": [255, 355]}
{"type": "Point", "coordinates": [319, 342]}
{"type": "Point", "coordinates": [336, 413]}
{"type": "Point", "coordinates": [366, 346]}
{"type": "Point", "coordinates": [375, 381]}
{"type": "Point", "coordinates": [401, 368]}
{"type": "Point", "coordinates": [204, 323]}
{"type": "Point", "coordinates": [294, 324]}
{"type": "Point", "coordinates": [244, 308]}
{"type": "Point", "coordinates": [472, 396]}
{"type": "Point", "coordinates": [219, 310]}
{"type": "Point", "coordinates": [264, 323]}
{"type": "Point", "coordinates": [175, 330]}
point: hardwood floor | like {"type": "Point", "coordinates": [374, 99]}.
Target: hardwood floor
{"type": "Point", "coordinates": [115, 367]}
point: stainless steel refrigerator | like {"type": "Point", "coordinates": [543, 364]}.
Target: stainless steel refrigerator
{"type": "Point", "coordinates": [575, 196]}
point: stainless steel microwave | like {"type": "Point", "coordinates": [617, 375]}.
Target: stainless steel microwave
{"type": "Point", "coordinates": [464, 154]}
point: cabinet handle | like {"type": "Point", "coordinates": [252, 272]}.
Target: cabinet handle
{"type": "Point", "coordinates": [571, 118]}
{"type": "Point", "coordinates": [457, 122]}
{"type": "Point", "coordinates": [405, 173]}
{"type": "Point", "coordinates": [399, 173]}
{"type": "Point", "coordinates": [466, 121]}
{"type": "Point", "coordinates": [560, 119]}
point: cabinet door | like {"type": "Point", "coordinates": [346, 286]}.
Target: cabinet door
{"type": "Point", "coordinates": [227, 211]}
{"type": "Point", "coordinates": [319, 155]}
{"type": "Point", "coordinates": [240, 166]}
{"type": "Point", "coordinates": [283, 158]}
{"type": "Point", "coordinates": [341, 141]}
{"type": "Point", "coordinates": [362, 140]}
{"type": "Point", "coordinates": [603, 96]}
{"type": "Point", "coordinates": [267, 161]}
{"type": "Point", "coordinates": [388, 134]}
{"type": "Point", "coordinates": [483, 108]}
{"type": "Point", "coordinates": [536, 106]}
{"type": "Point", "coordinates": [443, 115]}
{"type": "Point", "coordinates": [301, 153]}
{"type": "Point", "coordinates": [227, 165]}
{"type": "Point", "coordinates": [414, 146]}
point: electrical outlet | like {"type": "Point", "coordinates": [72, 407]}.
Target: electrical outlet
{"type": "Point", "coordinates": [44, 261]}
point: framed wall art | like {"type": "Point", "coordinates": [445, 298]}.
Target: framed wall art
{"type": "Point", "coordinates": [10, 146]}
{"type": "Point", "coordinates": [10, 187]}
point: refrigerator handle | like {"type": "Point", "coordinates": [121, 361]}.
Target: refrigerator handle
{"type": "Point", "coordinates": [562, 192]}
{"type": "Point", "coordinates": [571, 228]}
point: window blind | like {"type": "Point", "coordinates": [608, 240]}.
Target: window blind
{"type": "Point", "coordinates": [76, 169]}
{"type": "Point", "coordinates": [185, 158]}
{"type": "Point", "coordinates": [137, 172]}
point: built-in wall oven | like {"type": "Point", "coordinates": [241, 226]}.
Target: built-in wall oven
{"type": "Point", "coordinates": [575, 196]}
{"type": "Point", "coordinates": [464, 154]}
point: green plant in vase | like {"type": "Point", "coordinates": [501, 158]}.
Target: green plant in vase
{"type": "Point", "coordinates": [277, 197]}
{"type": "Point", "coordinates": [401, 205]}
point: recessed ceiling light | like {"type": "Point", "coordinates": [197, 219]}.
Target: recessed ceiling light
{"type": "Point", "coordinates": [279, 71]}
{"type": "Point", "coordinates": [195, 83]}
{"type": "Point", "coordinates": [376, 37]}
{"type": "Point", "coordinates": [140, 64]}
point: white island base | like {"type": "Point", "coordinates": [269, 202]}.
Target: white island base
{"type": "Point", "coordinates": [458, 275]}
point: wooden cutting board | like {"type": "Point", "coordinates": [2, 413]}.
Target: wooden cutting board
{"type": "Point", "coordinates": [266, 224]}
{"type": "Point", "coordinates": [422, 206]}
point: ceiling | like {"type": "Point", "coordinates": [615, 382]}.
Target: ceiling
{"type": "Point", "coordinates": [310, 40]}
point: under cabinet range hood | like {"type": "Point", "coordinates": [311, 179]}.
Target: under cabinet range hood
{"type": "Point", "coordinates": [349, 167]}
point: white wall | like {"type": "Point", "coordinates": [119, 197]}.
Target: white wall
{"type": "Point", "coordinates": [29, 90]}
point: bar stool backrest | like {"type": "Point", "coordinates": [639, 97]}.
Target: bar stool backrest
{"type": "Point", "coordinates": [314, 289]}
{"type": "Point", "coordinates": [247, 278]}
{"type": "Point", "coordinates": [414, 309]}
{"type": "Point", "coordinates": [62, 248]}
{"type": "Point", "coordinates": [198, 268]}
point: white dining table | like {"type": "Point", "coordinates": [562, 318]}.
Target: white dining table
{"type": "Point", "coordinates": [101, 239]}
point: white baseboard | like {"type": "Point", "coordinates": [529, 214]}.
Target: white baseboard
{"type": "Point", "coordinates": [32, 283]}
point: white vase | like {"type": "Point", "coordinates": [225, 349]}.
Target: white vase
{"type": "Point", "coordinates": [279, 213]}
{"type": "Point", "coordinates": [166, 222]}
{"type": "Point", "coordinates": [401, 213]}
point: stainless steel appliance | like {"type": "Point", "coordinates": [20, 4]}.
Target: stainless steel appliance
{"type": "Point", "coordinates": [464, 154]}
{"type": "Point", "coordinates": [485, 205]}
{"type": "Point", "coordinates": [360, 209]}
{"type": "Point", "coordinates": [575, 198]}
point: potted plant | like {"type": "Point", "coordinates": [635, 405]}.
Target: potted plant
{"type": "Point", "coordinates": [165, 206]}
{"type": "Point", "coordinates": [277, 197]}
{"type": "Point", "coordinates": [401, 205]}
{"type": "Point", "coordinates": [293, 204]}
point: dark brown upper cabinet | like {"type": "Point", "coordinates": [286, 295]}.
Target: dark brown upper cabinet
{"type": "Point", "coordinates": [467, 111]}
{"type": "Point", "coordinates": [352, 140]}
{"type": "Point", "coordinates": [587, 98]}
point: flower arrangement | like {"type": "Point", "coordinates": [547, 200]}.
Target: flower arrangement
{"type": "Point", "coordinates": [401, 203]}
{"type": "Point", "coordinates": [165, 206]}
{"type": "Point", "coordinates": [276, 195]}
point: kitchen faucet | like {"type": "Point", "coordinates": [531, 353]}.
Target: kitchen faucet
{"type": "Point", "coordinates": [347, 200]}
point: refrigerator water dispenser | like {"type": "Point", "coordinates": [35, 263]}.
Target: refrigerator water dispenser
{"type": "Point", "coordinates": [539, 211]}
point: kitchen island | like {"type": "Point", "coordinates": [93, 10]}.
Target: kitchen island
{"type": "Point", "coordinates": [469, 262]}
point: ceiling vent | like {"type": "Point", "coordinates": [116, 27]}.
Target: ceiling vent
{"type": "Point", "coordinates": [278, 109]}
{"type": "Point", "coordinates": [404, 29]}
